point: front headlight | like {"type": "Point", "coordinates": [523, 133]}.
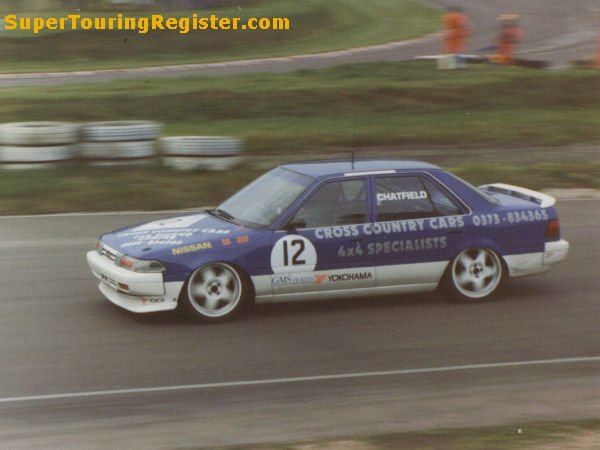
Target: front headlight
{"type": "Point", "coordinates": [139, 265]}
{"type": "Point", "coordinates": [129, 262]}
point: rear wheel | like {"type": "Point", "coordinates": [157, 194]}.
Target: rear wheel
{"type": "Point", "coordinates": [215, 292]}
{"type": "Point", "coordinates": [475, 274]}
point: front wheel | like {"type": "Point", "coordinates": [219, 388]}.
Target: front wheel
{"type": "Point", "coordinates": [214, 292]}
{"type": "Point", "coordinates": [475, 274]}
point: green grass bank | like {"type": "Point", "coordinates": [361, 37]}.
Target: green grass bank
{"type": "Point", "coordinates": [378, 109]}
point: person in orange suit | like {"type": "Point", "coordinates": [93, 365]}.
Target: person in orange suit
{"type": "Point", "coordinates": [510, 35]}
{"type": "Point", "coordinates": [456, 24]}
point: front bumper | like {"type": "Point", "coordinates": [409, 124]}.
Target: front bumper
{"type": "Point", "coordinates": [133, 291]}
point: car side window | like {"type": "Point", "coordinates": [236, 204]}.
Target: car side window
{"type": "Point", "coordinates": [401, 198]}
{"type": "Point", "coordinates": [412, 197]}
{"type": "Point", "coordinates": [443, 204]}
{"type": "Point", "coordinates": [336, 203]}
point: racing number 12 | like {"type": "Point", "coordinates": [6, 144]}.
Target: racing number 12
{"type": "Point", "coordinates": [296, 261]}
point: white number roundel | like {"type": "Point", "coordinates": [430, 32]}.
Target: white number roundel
{"type": "Point", "coordinates": [293, 253]}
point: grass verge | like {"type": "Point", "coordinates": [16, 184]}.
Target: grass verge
{"type": "Point", "coordinates": [321, 113]}
{"type": "Point", "coordinates": [582, 435]}
{"type": "Point", "coordinates": [347, 107]}
{"type": "Point", "coordinates": [316, 26]}
{"type": "Point", "coordinates": [75, 188]}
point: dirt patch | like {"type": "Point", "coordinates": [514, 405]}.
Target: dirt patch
{"type": "Point", "coordinates": [589, 440]}
{"type": "Point", "coordinates": [337, 445]}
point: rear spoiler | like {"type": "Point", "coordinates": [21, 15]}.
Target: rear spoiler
{"type": "Point", "coordinates": [543, 200]}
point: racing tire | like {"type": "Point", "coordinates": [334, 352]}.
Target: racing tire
{"type": "Point", "coordinates": [39, 133]}
{"type": "Point", "coordinates": [211, 153]}
{"type": "Point", "coordinates": [133, 130]}
{"type": "Point", "coordinates": [213, 164]}
{"type": "Point", "coordinates": [21, 157]}
{"type": "Point", "coordinates": [474, 274]}
{"type": "Point", "coordinates": [118, 153]}
{"type": "Point", "coordinates": [215, 292]}
{"type": "Point", "coordinates": [211, 146]}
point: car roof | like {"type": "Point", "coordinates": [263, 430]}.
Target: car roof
{"type": "Point", "coordinates": [328, 167]}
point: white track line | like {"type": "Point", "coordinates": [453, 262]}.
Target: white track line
{"type": "Point", "coordinates": [342, 376]}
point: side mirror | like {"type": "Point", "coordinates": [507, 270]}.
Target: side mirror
{"type": "Point", "coordinates": [294, 224]}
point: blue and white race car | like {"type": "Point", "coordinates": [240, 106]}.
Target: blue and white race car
{"type": "Point", "coordinates": [326, 229]}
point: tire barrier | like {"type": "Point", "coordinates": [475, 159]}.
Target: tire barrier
{"type": "Point", "coordinates": [22, 157]}
{"type": "Point", "coordinates": [212, 153]}
{"type": "Point", "coordinates": [119, 143]}
{"type": "Point", "coordinates": [34, 145]}
{"type": "Point", "coordinates": [133, 130]}
{"type": "Point", "coordinates": [39, 133]}
{"type": "Point", "coordinates": [26, 145]}
{"type": "Point", "coordinates": [118, 153]}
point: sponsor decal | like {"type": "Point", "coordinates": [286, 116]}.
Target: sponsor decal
{"type": "Point", "coordinates": [398, 196]}
{"type": "Point", "coordinates": [293, 253]}
{"type": "Point", "coordinates": [146, 300]}
{"type": "Point", "coordinates": [319, 278]}
{"type": "Point", "coordinates": [338, 232]}
{"type": "Point", "coordinates": [394, 227]}
{"type": "Point", "coordinates": [337, 277]}
{"type": "Point", "coordinates": [174, 223]}
{"type": "Point", "coordinates": [226, 242]}
{"type": "Point", "coordinates": [214, 231]}
{"type": "Point", "coordinates": [170, 232]}
{"type": "Point", "coordinates": [292, 278]}
{"type": "Point", "coordinates": [191, 248]}
{"type": "Point", "coordinates": [442, 223]}
{"type": "Point", "coordinates": [156, 238]}
{"type": "Point", "coordinates": [407, 245]}
{"type": "Point", "coordinates": [242, 239]}
{"type": "Point", "coordinates": [112, 283]}
{"type": "Point", "coordinates": [350, 251]}
{"type": "Point", "coordinates": [485, 220]}
{"type": "Point", "coordinates": [511, 217]}
{"type": "Point", "coordinates": [535, 215]}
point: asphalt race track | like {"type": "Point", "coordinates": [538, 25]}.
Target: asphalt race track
{"type": "Point", "coordinates": [77, 372]}
{"type": "Point", "coordinates": [556, 31]}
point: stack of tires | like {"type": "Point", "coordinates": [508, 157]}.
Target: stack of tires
{"type": "Point", "coordinates": [119, 143]}
{"type": "Point", "coordinates": [213, 153]}
{"type": "Point", "coordinates": [34, 145]}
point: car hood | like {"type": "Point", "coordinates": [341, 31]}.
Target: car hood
{"type": "Point", "coordinates": [152, 238]}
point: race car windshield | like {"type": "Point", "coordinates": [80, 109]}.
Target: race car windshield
{"type": "Point", "coordinates": [261, 202]}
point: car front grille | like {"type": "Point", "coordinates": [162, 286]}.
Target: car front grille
{"type": "Point", "coordinates": [108, 253]}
